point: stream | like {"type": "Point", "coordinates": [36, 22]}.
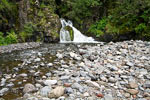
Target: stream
{"type": "Point", "coordinates": [26, 66]}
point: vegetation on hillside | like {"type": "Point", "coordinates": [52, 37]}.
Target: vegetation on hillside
{"type": "Point", "coordinates": [31, 20]}
{"type": "Point", "coordinates": [114, 17]}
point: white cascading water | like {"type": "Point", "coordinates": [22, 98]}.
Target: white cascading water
{"type": "Point", "coordinates": [78, 36]}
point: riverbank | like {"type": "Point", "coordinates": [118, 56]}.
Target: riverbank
{"type": "Point", "coordinates": [113, 71]}
{"type": "Point", "coordinates": [19, 46]}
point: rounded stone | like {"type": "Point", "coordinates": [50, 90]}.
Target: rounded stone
{"type": "Point", "coordinates": [29, 88]}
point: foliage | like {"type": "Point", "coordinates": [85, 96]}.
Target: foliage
{"type": "Point", "coordinates": [8, 15]}
{"type": "Point", "coordinates": [78, 10]}
{"type": "Point", "coordinates": [131, 17]}
{"type": "Point", "coordinates": [70, 30]}
{"type": "Point", "coordinates": [2, 42]}
{"type": "Point", "coordinates": [28, 31]}
{"type": "Point", "coordinates": [9, 39]}
{"type": "Point", "coordinates": [98, 28]}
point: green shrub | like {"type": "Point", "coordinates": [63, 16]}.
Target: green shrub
{"type": "Point", "coordinates": [27, 32]}
{"type": "Point", "coordinates": [11, 38]}
{"type": "Point", "coordinates": [2, 42]}
{"type": "Point", "coordinates": [131, 17]}
{"type": "Point", "coordinates": [98, 28]}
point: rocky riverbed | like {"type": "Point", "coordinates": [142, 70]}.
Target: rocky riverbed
{"type": "Point", "coordinates": [113, 71]}
{"type": "Point", "coordinates": [18, 46]}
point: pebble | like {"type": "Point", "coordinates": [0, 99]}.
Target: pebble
{"type": "Point", "coordinates": [68, 90]}
{"type": "Point", "coordinates": [108, 97]}
{"type": "Point", "coordinates": [57, 92]}
{"type": "Point", "coordinates": [127, 95]}
{"type": "Point", "coordinates": [109, 72]}
{"type": "Point", "coordinates": [86, 94]}
{"type": "Point", "coordinates": [3, 91]}
{"type": "Point", "coordinates": [132, 91]}
{"type": "Point", "coordinates": [50, 82]}
{"type": "Point", "coordinates": [45, 91]}
{"type": "Point", "coordinates": [77, 86]}
{"type": "Point", "coordinates": [133, 84]}
{"type": "Point", "coordinates": [94, 84]}
{"type": "Point", "coordinates": [37, 60]}
{"type": "Point", "coordinates": [29, 88]}
{"type": "Point", "coordinates": [112, 80]}
{"type": "Point", "coordinates": [64, 77]}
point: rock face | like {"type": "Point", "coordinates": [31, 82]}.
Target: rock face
{"type": "Point", "coordinates": [40, 15]}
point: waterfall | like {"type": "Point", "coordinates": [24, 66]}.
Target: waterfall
{"type": "Point", "coordinates": [78, 36]}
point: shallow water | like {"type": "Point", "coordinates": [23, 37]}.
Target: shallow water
{"type": "Point", "coordinates": [14, 64]}
{"type": "Point", "coordinates": [9, 62]}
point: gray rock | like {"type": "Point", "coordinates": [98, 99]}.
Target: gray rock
{"type": "Point", "coordinates": [37, 60]}
{"type": "Point", "coordinates": [108, 97]}
{"type": "Point", "coordinates": [29, 88]}
{"type": "Point", "coordinates": [147, 84]}
{"type": "Point", "coordinates": [48, 74]}
{"type": "Point", "coordinates": [32, 98]}
{"type": "Point", "coordinates": [132, 91]}
{"type": "Point", "coordinates": [127, 95]}
{"type": "Point", "coordinates": [124, 76]}
{"type": "Point", "coordinates": [93, 84]}
{"type": "Point", "coordinates": [42, 64]}
{"type": "Point", "coordinates": [133, 84]}
{"type": "Point", "coordinates": [64, 77]}
{"type": "Point", "coordinates": [57, 92]}
{"type": "Point", "coordinates": [130, 64]}
{"type": "Point", "coordinates": [3, 81]}
{"type": "Point", "coordinates": [50, 82]}
{"type": "Point", "coordinates": [10, 85]}
{"type": "Point", "coordinates": [45, 91]}
{"type": "Point", "coordinates": [77, 86]}
{"type": "Point", "coordinates": [143, 71]}
{"type": "Point", "coordinates": [112, 67]}
{"type": "Point", "coordinates": [65, 66]}
{"type": "Point", "coordinates": [23, 75]}
{"type": "Point", "coordinates": [38, 85]}
{"type": "Point", "coordinates": [68, 90]}
{"type": "Point", "coordinates": [49, 65]}
{"type": "Point", "coordinates": [3, 91]}
{"type": "Point", "coordinates": [112, 80]}
{"type": "Point", "coordinates": [59, 55]}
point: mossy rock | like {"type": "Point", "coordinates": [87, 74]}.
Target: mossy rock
{"type": "Point", "coordinates": [70, 30]}
{"type": "Point", "coordinates": [45, 18]}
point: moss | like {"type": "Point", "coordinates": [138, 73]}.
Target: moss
{"type": "Point", "coordinates": [70, 30]}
